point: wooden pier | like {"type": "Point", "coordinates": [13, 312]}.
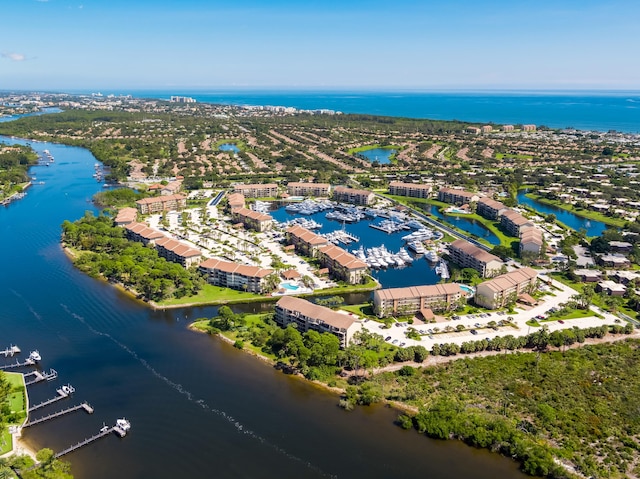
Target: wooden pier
{"type": "Point", "coordinates": [84, 406]}
{"type": "Point", "coordinates": [105, 431]}
{"type": "Point", "coordinates": [40, 376]}
{"type": "Point", "coordinates": [62, 394]}
{"type": "Point", "coordinates": [10, 351]}
{"type": "Point", "coordinates": [18, 364]}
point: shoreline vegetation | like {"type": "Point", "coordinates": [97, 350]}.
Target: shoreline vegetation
{"type": "Point", "coordinates": [100, 250]}
{"type": "Point", "coordinates": [16, 456]}
{"type": "Point", "coordinates": [490, 413]}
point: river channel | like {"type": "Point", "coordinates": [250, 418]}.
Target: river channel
{"type": "Point", "coordinates": [198, 407]}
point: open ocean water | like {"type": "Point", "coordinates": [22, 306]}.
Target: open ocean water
{"type": "Point", "coordinates": [584, 110]}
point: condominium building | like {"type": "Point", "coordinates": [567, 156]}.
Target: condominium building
{"type": "Point", "coordinates": [141, 233]}
{"type": "Point", "coordinates": [235, 276]}
{"type": "Point", "coordinates": [528, 127]}
{"type": "Point", "coordinates": [235, 201]}
{"type": "Point", "coordinates": [490, 208]}
{"type": "Point", "coordinates": [456, 196]}
{"type": "Point", "coordinates": [126, 216]}
{"type": "Point", "coordinates": [343, 194]}
{"type": "Point", "coordinates": [170, 188]}
{"type": "Point", "coordinates": [437, 297]}
{"type": "Point", "coordinates": [306, 242]}
{"type": "Point", "coordinates": [253, 220]}
{"type": "Point", "coordinates": [531, 240]}
{"type": "Point", "coordinates": [467, 255]}
{"type": "Point", "coordinates": [501, 290]}
{"type": "Point", "coordinates": [342, 264]}
{"type": "Point", "coordinates": [412, 190]}
{"type": "Point", "coordinates": [308, 316]}
{"type": "Point", "coordinates": [308, 189]}
{"type": "Point", "coordinates": [178, 252]}
{"type": "Point", "coordinates": [512, 222]}
{"type": "Point", "coordinates": [487, 129]}
{"type": "Point", "coordinates": [268, 190]}
{"type": "Point", "coordinates": [161, 203]}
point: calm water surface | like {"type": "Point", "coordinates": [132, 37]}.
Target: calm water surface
{"type": "Point", "coordinates": [198, 407]}
{"type": "Point", "coordinates": [592, 227]}
{"type": "Point", "coordinates": [381, 155]}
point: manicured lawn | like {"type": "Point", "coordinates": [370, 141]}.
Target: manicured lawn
{"type": "Point", "coordinates": [6, 441]}
{"type": "Point", "coordinates": [364, 310]}
{"type": "Point", "coordinates": [16, 397]}
{"type": "Point", "coordinates": [215, 295]}
{"type": "Point", "coordinates": [500, 156]}
{"type": "Point", "coordinates": [576, 313]}
{"type": "Point", "coordinates": [17, 405]}
{"type": "Point", "coordinates": [372, 147]}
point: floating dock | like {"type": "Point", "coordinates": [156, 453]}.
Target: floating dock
{"type": "Point", "coordinates": [84, 406]}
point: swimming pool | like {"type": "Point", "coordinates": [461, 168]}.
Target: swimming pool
{"type": "Point", "coordinates": [290, 286]}
{"type": "Point", "coordinates": [467, 289]}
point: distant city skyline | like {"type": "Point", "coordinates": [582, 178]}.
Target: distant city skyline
{"type": "Point", "coordinates": [350, 45]}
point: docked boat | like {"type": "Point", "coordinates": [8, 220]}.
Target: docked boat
{"type": "Point", "coordinates": [417, 247]}
{"type": "Point", "coordinates": [432, 256]}
{"type": "Point", "coordinates": [35, 356]}
{"type": "Point", "coordinates": [123, 424]}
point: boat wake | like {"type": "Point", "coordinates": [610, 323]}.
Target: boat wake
{"type": "Point", "coordinates": [31, 310]}
{"type": "Point", "coordinates": [200, 402]}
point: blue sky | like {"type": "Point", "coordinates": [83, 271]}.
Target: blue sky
{"type": "Point", "coordinates": [401, 44]}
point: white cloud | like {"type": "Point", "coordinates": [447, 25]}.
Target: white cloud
{"type": "Point", "coordinates": [16, 57]}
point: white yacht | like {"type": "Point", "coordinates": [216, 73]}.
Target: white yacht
{"type": "Point", "coordinates": [432, 256]}
{"type": "Point", "coordinates": [417, 247]}
{"type": "Point", "coordinates": [123, 424]}
{"type": "Point", "coordinates": [35, 356]}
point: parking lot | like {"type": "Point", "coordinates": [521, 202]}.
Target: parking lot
{"type": "Point", "coordinates": [476, 325]}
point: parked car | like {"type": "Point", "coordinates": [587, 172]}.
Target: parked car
{"type": "Point", "coordinates": [561, 321]}
{"type": "Point", "coordinates": [473, 331]}
{"type": "Point", "coordinates": [387, 338]}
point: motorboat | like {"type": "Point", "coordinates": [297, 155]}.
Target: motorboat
{"type": "Point", "coordinates": [35, 356]}
{"type": "Point", "coordinates": [417, 247]}
{"type": "Point", "coordinates": [432, 256]}
{"type": "Point", "coordinates": [123, 424]}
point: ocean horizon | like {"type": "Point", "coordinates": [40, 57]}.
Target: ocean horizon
{"type": "Point", "coordinates": [592, 110]}
{"type": "Point", "coordinates": [583, 110]}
